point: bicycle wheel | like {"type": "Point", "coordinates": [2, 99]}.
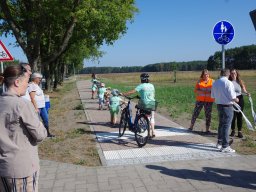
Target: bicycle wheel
{"type": "Point", "coordinates": [122, 124]}
{"type": "Point", "coordinates": [142, 127]}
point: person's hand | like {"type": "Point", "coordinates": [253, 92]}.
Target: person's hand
{"type": "Point", "coordinates": [236, 100]}
{"type": "Point", "coordinates": [248, 94]}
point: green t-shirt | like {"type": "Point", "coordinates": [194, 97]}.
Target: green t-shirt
{"type": "Point", "coordinates": [102, 90]}
{"type": "Point", "coordinates": [94, 83]}
{"type": "Point", "coordinates": [147, 94]}
{"type": "Point", "coordinates": [115, 101]}
{"type": "Point", "coordinates": [94, 87]}
{"type": "Point", "coordinates": [114, 104]}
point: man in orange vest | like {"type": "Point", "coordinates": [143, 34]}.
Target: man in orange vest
{"type": "Point", "coordinates": [203, 99]}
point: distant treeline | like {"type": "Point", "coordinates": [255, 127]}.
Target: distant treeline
{"type": "Point", "coordinates": [240, 58]}
{"type": "Point", "coordinates": [157, 67]}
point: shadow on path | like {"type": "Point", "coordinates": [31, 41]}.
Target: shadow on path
{"type": "Point", "coordinates": [237, 178]}
{"type": "Point", "coordinates": [182, 130]}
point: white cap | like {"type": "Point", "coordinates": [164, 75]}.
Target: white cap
{"type": "Point", "coordinates": [35, 75]}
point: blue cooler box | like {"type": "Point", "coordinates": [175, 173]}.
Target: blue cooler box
{"type": "Point", "coordinates": [47, 102]}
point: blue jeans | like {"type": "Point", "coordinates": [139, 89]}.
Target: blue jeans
{"type": "Point", "coordinates": [225, 118]}
{"type": "Point", "coordinates": [44, 115]}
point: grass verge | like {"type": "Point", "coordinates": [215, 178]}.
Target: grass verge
{"type": "Point", "coordinates": [74, 142]}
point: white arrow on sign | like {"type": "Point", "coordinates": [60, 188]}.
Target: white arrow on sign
{"type": "Point", "coordinates": [4, 53]}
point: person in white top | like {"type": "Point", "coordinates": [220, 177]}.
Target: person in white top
{"type": "Point", "coordinates": [224, 94]}
{"type": "Point", "coordinates": [38, 100]}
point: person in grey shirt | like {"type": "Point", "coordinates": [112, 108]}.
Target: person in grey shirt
{"type": "Point", "coordinates": [21, 131]}
{"type": "Point", "coordinates": [240, 90]}
{"type": "Point", "coordinates": [224, 94]}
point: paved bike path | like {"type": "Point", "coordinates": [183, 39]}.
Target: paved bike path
{"type": "Point", "coordinates": [172, 142]}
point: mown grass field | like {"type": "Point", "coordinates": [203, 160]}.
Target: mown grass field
{"type": "Point", "coordinates": [177, 99]}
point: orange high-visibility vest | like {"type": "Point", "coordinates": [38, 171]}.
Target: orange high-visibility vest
{"type": "Point", "coordinates": [203, 90]}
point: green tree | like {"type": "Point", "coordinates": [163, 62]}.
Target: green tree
{"type": "Point", "coordinates": [45, 29]}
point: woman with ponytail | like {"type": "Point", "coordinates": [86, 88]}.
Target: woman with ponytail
{"type": "Point", "coordinates": [21, 131]}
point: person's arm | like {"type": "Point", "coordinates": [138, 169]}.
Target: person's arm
{"type": "Point", "coordinates": [232, 93]}
{"type": "Point", "coordinates": [244, 88]}
{"type": "Point", "coordinates": [213, 91]}
{"type": "Point", "coordinates": [197, 88]}
{"type": "Point", "coordinates": [129, 92]}
{"type": "Point", "coordinates": [31, 121]}
{"type": "Point", "coordinates": [32, 97]}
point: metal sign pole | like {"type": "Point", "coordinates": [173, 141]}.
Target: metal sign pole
{"type": "Point", "coordinates": [2, 67]}
{"type": "Point", "coordinates": [223, 56]}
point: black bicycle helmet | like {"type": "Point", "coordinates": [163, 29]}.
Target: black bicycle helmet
{"type": "Point", "coordinates": [144, 77]}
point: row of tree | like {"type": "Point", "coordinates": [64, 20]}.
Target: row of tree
{"type": "Point", "coordinates": [58, 35]}
{"type": "Point", "coordinates": [243, 57]}
{"type": "Point", "coordinates": [158, 67]}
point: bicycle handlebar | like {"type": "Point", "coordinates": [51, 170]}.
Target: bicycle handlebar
{"type": "Point", "coordinates": [130, 98]}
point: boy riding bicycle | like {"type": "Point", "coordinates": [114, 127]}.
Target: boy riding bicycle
{"type": "Point", "coordinates": [146, 91]}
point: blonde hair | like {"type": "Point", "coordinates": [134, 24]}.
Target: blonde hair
{"type": "Point", "coordinates": [204, 71]}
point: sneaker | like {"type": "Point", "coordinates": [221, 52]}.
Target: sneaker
{"type": "Point", "coordinates": [240, 135]}
{"type": "Point", "coordinates": [218, 146]}
{"type": "Point", "coordinates": [228, 150]}
{"type": "Point", "coordinates": [232, 133]}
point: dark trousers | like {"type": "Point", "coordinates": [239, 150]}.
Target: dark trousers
{"type": "Point", "coordinates": [225, 114]}
{"type": "Point", "coordinates": [207, 110]}
{"type": "Point", "coordinates": [238, 116]}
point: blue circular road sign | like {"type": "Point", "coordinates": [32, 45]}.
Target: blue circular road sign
{"type": "Point", "coordinates": [223, 32]}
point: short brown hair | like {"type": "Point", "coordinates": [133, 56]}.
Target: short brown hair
{"type": "Point", "coordinates": [225, 72]}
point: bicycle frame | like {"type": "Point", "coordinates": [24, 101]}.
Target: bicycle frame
{"type": "Point", "coordinates": [140, 125]}
{"type": "Point", "coordinates": [130, 121]}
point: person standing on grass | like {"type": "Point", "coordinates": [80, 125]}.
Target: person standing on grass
{"type": "Point", "coordinates": [147, 97]}
{"type": "Point", "coordinates": [21, 131]}
{"type": "Point", "coordinates": [203, 99]}
{"type": "Point", "coordinates": [239, 89]}
{"type": "Point", "coordinates": [224, 93]}
{"type": "Point", "coordinates": [38, 100]}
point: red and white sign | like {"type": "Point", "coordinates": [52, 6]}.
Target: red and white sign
{"type": "Point", "coordinates": [4, 53]}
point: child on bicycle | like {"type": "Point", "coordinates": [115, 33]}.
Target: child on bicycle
{"type": "Point", "coordinates": [146, 91]}
{"type": "Point", "coordinates": [114, 106]}
{"type": "Point", "coordinates": [101, 92]}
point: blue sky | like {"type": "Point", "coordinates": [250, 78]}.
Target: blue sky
{"type": "Point", "coordinates": [173, 30]}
